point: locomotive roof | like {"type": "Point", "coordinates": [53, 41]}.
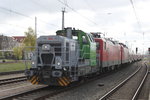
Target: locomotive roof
{"type": "Point", "coordinates": [123, 45]}
{"type": "Point", "coordinates": [108, 40]}
{"type": "Point", "coordinates": [112, 41]}
{"type": "Point", "coordinates": [52, 38]}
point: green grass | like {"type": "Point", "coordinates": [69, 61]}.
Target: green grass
{"type": "Point", "coordinates": [5, 67]}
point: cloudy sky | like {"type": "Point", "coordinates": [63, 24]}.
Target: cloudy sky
{"type": "Point", "coordinates": [115, 18]}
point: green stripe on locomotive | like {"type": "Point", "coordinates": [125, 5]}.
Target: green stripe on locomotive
{"type": "Point", "coordinates": [87, 46]}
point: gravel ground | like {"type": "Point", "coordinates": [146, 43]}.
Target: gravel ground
{"type": "Point", "coordinates": [14, 88]}
{"type": "Point", "coordinates": [12, 85]}
{"type": "Point", "coordinates": [11, 76]}
{"type": "Point", "coordinates": [92, 91]}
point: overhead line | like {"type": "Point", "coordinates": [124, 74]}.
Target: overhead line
{"type": "Point", "coordinates": [18, 13]}
{"type": "Point", "coordinates": [135, 13]}
{"type": "Point", "coordinates": [77, 12]}
{"type": "Point", "coordinates": [88, 4]}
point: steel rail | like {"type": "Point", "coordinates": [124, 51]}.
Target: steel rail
{"type": "Point", "coordinates": [11, 72]}
{"type": "Point", "coordinates": [104, 97]}
{"type": "Point", "coordinates": [141, 84]}
{"type": "Point", "coordinates": [54, 93]}
{"type": "Point", "coordinates": [20, 94]}
{"type": "Point", "coordinates": [72, 86]}
{"type": "Point", "coordinates": [12, 80]}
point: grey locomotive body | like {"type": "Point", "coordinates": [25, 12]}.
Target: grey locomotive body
{"type": "Point", "coordinates": [54, 61]}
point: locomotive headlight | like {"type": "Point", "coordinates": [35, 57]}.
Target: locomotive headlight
{"type": "Point", "coordinates": [45, 47]}
{"type": "Point", "coordinates": [58, 63]}
{"type": "Point", "coordinates": [64, 69]}
{"type": "Point", "coordinates": [32, 62]}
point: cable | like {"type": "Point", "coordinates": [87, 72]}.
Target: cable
{"type": "Point", "coordinates": [89, 5]}
{"type": "Point", "coordinates": [77, 12]}
{"type": "Point", "coordinates": [65, 1]}
{"type": "Point", "coordinates": [18, 13]}
{"type": "Point", "coordinates": [137, 19]}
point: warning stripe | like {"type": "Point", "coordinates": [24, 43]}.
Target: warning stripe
{"type": "Point", "coordinates": [33, 78]}
{"type": "Point", "coordinates": [60, 83]}
{"type": "Point", "coordinates": [66, 80]}
{"type": "Point", "coordinates": [37, 81]}
{"type": "Point", "coordinates": [33, 82]}
{"type": "Point", "coordinates": [65, 84]}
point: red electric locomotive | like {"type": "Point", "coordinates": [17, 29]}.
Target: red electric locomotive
{"type": "Point", "coordinates": [110, 54]}
{"type": "Point", "coordinates": [125, 58]}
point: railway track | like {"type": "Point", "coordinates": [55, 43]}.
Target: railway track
{"type": "Point", "coordinates": [46, 92]}
{"type": "Point", "coordinates": [11, 72]}
{"type": "Point", "coordinates": [39, 93]}
{"type": "Point", "coordinates": [26, 95]}
{"type": "Point", "coordinates": [111, 95]}
{"type": "Point", "coordinates": [42, 93]}
{"type": "Point", "coordinates": [12, 80]}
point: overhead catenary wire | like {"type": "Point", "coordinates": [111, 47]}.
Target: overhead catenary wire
{"type": "Point", "coordinates": [89, 5]}
{"type": "Point", "coordinates": [65, 4]}
{"type": "Point", "coordinates": [24, 15]}
{"type": "Point", "coordinates": [136, 16]}
{"type": "Point", "coordinates": [138, 21]}
{"type": "Point", "coordinates": [18, 13]}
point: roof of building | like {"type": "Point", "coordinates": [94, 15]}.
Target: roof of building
{"type": "Point", "coordinates": [19, 38]}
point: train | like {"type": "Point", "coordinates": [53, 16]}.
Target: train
{"type": "Point", "coordinates": [72, 55]}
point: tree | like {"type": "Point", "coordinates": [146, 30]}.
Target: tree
{"type": "Point", "coordinates": [30, 38]}
{"type": "Point", "coordinates": [18, 52]}
{"type": "Point", "coordinates": [29, 41]}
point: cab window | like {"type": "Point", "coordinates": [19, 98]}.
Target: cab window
{"type": "Point", "coordinates": [84, 40]}
{"type": "Point", "coordinates": [89, 37]}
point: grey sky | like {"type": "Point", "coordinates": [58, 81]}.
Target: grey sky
{"type": "Point", "coordinates": [114, 17]}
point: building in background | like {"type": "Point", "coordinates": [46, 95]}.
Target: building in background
{"type": "Point", "coordinates": [19, 39]}
{"type": "Point", "coordinates": [8, 43]}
